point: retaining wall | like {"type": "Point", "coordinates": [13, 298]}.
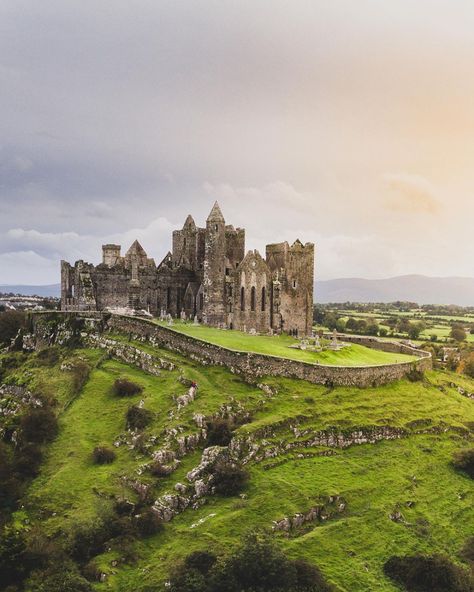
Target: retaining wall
{"type": "Point", "coordinates": [252, 365]}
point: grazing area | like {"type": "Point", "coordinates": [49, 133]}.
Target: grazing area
{"type": "Point", "coordinates": [144, 470]}
{"type": "Point", "coordinates": [284, 346]}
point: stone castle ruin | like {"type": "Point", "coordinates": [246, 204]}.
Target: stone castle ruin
{"type": "Point", "coordinates": [208, 276]}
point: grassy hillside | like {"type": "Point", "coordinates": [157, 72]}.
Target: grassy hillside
{"type": "Point", "coordinates": [281, 346]}
{"type": "Point", "coordinates": [289, 474]}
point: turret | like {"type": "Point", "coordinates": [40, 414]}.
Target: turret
{"type": "Point", "coordinates": [110, 255]}
{"type": "Point", "coordinates": [214, 268]}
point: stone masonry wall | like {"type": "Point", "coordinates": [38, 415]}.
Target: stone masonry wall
{"type": "Point", "coordinates": [252, 365]}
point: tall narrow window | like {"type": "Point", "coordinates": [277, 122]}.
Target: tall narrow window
{"type": "Point", "coordinates": [242, 298]}
{"type": "Point", "coordinates": [263, 298]}
{"type": "Point", "coordinates": [168, 298]}
{"type": "Point", "coordinates": [252, 298]}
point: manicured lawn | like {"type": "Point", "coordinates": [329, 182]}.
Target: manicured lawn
{"type": "Point", "coordinates": [279, 345]}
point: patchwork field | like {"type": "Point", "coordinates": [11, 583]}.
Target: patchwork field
{"type": "Point", "coordinates": [407, 472]}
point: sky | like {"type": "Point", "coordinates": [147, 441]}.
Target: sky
{"type": "Point", "coordinates": [347, 124]}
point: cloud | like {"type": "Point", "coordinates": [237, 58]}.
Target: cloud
{"type": "Point", "coordinates": [411, 194]}
{"type": "Point", "coordinates": [37, 254]}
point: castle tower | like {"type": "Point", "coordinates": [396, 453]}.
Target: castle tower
{"type": "Point", "coordinates": [213, 312]}
{"type": "Point", "coordinates": [110, 255]}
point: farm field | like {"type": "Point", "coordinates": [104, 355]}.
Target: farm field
{"type": "Point", "coordinates": [280, 345]}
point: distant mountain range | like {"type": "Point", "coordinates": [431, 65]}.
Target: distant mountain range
{"type": "Point", "coordinates": [50, 290]}
{"type": "Point", "coordinates": [413, 288]}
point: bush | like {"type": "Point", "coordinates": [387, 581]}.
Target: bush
{"type": "Point", "coordinates": [80, 375]}
{"type": "Point", "coordinates": [468, 368]}
{"type": "Point", "coordinates": [126, 388]}
{"type": "Point", "coordinates": [467, 552]}
{"type": "Point", "coordinates": [201, 561]}
{"type": "Point", "coordinates": [88, 539]}
{"type": "Point", "coordinates": [11, 321]}
{"type": "Point", "coordinates": [157, 469]}
{"type": "Point", "coordinates": [39, 425]}
{"type": "Point", "coordinates": [148, 522]}
{"type": "Point", "coordinates": [103, 455]}
{"type": "Point", "coordinates": [219, 432]}
{"type": "Point", "coordinates": [48, 356]}
{"type": "Point", "coordinates": [463, 460]}
{"type": "Point", "coordinates": [28, 460]}
{"type": "Point", "coordinates": [229, 478]}
{"type": "Point", "coordinates": [415, 375]}
{"type": "Point", "coordinates": [256, 566]}
{"type": "Point", "coordinates": [58, 578]}
{"type": "Point", "coordinates": [420, 573]}
{"type": "Point", "coordinates": [138, 418]}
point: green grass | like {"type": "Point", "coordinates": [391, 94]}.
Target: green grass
{"type": "Point", "coordinates": [374, 479]}
{"type": "Point", "coordinates": [280, 345]}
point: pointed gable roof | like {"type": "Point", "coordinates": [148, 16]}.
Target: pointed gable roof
{"type": "Point", "coordinates": [215, 214]}
{"type": "Point", "coordinates": [136, 249]}
{"type": "Point", "coordinates": [189, 223]}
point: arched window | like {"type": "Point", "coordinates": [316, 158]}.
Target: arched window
{"type": "Point", "coordinates": [263, 298]}
{"type": "Point", "coordinates": [252, 298]}
{"type": "Point", "coordinates": [242, 298]}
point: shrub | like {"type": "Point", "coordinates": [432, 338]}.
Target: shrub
{"type": "Point", "coordinates": [126, 388]}
{"type": "Point", "coordinates": [39, 425]}
{"type": "Point", "coordinates": [87, 539]}
{"type": "Point", "coordinates": [28, 460]}
{"type": "Point", "coordinates": [103, 455]}
{"type": "Point", "coordinates": [48, 356]}
{"type": "Point", "coordinates": [80, 374]}
{"type": "Point", "coordinates": [419, 573]}
{"type": "Point", "coordinates": [158, 469]}
{"type": "Point", "coordinates": [229, 478]}
{"type": "Point", "coordinates": [256, 566]}
{"type": "Point", "coordinates": [463, 460]}
{"type": "Point", "coordinates": [138, 418]}
{"type": "Point", "coordinates": [469, 365]}
{"type": "Point", "coordinates": [415, 375]}
{"type": "Point", "coordinates": [201, 561]}
{"type": "Point", "coordinates": [91, 572]}
{"type": "Point", "coordinates": [467, 552]}
{"type": "Point", "coordinates": [148, 522]}
{"type": "Point", "coordinates": [58, 578]}
{"type": "Point", "coordinates": [219, 432]}
{"type": "Point", "coordinates": [11, 321]}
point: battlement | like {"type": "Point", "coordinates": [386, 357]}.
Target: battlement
{"type": "Point", "coordinates": [208, 275]}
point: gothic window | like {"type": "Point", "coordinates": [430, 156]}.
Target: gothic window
{"type": "Point", "coordinates": [263, 298]}
{"type": "Point", "coordinates": [252, 298]}
{"type": "Point", "coordinates": [294, 284]}
{"type": "Point", "coordinates": [201, 301]}
{"type": "Point", "coordinates": [216, 227]}
{"type": "Point", "coordinates": [242, 298]}
{"type": "Point", "coordinates": [168, 297]}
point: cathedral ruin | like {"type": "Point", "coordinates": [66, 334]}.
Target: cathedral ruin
{"type": "Point", "coordinates": [207, 276]}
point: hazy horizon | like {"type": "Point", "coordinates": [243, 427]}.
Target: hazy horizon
{"type": "Point", "coordinates": [350, 125]}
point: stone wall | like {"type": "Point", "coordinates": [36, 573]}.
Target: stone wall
{"type": "Point", "coordinates": [251, 365]}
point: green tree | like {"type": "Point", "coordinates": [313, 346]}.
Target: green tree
{"type": "Point", "coordinates": [458, 333]}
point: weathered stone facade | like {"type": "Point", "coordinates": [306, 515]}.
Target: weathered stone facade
{"type": "Point", "coordinates": [207, 275]}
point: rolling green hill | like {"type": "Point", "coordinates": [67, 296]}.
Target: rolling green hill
{"type": "Point", "coordinates": [375, 462]}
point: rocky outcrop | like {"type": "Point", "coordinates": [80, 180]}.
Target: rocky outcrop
{"type": "Point", "coordinates": [129, 354]}
{"type": "Point", "coordinates": [249, 449]}
{"type": "Point", "coordinates": [334, 505]}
